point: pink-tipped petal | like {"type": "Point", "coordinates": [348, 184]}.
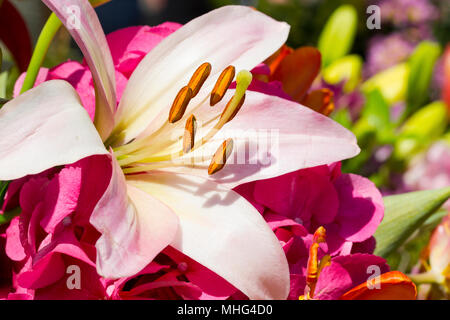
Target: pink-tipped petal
{"type": "Point", "coordinates": [82, 22]}
{"type": "Point", "coordinates": [135, 227]}
{"type": "Point", "coordinates": [43, 128]}
{"type": "Point", "coordinates": [223, 232]}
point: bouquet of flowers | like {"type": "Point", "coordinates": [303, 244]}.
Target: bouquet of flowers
{"type": "Point", "coordinates": [215, 160]}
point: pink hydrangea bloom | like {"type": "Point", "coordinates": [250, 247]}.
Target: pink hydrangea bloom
{"type": "Point", "coordinates": [350, 208]}
{"type": "Point", "coordinates": [53, 232]}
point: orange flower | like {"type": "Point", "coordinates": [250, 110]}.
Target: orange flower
{"type": "Point", "coordinates": [296, 70]}
{"type": "Point", "coordinates": [394, 285]}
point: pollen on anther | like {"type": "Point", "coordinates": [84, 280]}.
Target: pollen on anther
{"type": "Point", "coordinates": [199, 77]}
{"type": "Point", "coordinates": [180, 104]}
{"type": "Point", "coordinates": [221, 156]}
{"type": "Point", "coordinates": [222, 85]}
{"type": "Point", "coordinates": [189, 134]}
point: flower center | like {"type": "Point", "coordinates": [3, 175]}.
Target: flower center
{"type": "Point", "coordinates": [314, 266]}
{"type": "Point", "coordinates": [140, 156]}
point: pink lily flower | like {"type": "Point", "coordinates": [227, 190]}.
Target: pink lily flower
{"type": "Point", "coordinates": [169, 202]}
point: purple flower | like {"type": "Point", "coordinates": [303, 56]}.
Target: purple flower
{"type": "Point", "coordinates": [387, 51]}
{"type": "Point", "coordinates": [407, 12]}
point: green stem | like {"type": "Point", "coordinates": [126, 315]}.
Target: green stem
{"type": "Point", "coordinates": [40, 51]}
{"type": "Point", "coordinates": [426, 277]}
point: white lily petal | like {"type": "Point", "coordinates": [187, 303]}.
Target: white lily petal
{"type": "Point", "coordinates": [82, 22]}
{"type": "Point", "coordinates": [272, 136]}
{"type": "Point", "coordinates": [221, 230]}
{"type": "Point", "coordinates": [45, 127]}
{"type": "Point", "coordinates": [135, 227]}
{"type": "Point", "coordinates": [231, 35]}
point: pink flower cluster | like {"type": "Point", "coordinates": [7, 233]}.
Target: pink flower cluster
{"type": "Point", "coordinates": [349, 207]}
{"type": "Point", "coordinates": [52, 239]}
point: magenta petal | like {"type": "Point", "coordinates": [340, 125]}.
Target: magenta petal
{"type": "Point", "coordinates": [41, 77]}
{"type": "Point", "coordinates": [81, 79]}
{"type": "Point", "coordinates": [11, 199]}
{"type": "Point", "coordinates": [345, 273]}
{"type": "Point", "coordinates": [63, 243]}
{"type": "Point", "coordinates": [91, 286]}
{"type": "Point", "coordinates": [361, 207]}
{"type": "Point", "coordinates": [14, 248]}
{"type": "Point", "coordinates": [20, 296]}
{"type": "Point", "coordinates": [298, 283]}
{"type": "Point", "coordinates": [32, 193]}
{"type": "Point", "coordinates": [367, 246]}
{"type": "Point", "coordinates": [276, 221]}
{"type": "Point", "coordinates": [303, 195]}
{"type": "Point", "coordinates": [211, 284]}
{"type": "Point", "coordinates": [49, 270]}
{"type": "Point", "coordinates": [75, 191]}
{"type": "Point", "coordinates": [130, 45]}
{"type": "Point", "coordinates": [61, 197]}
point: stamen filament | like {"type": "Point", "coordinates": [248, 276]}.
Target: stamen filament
{"type": "Point", "coordinates": [243, 81]}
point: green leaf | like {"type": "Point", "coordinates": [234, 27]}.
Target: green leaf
{"type": "Point", "coordinates": [3, 188]}
{"type": "Point", "coordinates": [8, 216]}
{"type": "Point", "coordinates": [374, 121]}
{"type": "Point", "coordinates": [422, 128]}
{"type": "Point", "coordinates": [421, 65]}
{"type": "Point", "coordinates": [346, 69]}
{"type": "Point", "coordinates": [3, 83]}
{"type": "Point", "coordinates": [392, 83]}
{"type": "Point", "coordinates": [376, 110]}
{"type": "Point", "coordinates": [342, 116]}
{"type": "Point", "coordinates": [336, 39]}
{"type": "Point", "coordinates": [404, 214]}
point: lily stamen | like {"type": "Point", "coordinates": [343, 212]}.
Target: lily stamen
{"type": "Point", "coordinates": [222, 85]}
{"type": "Point", "coordinates": [221, 156]}
{"type": "Point", "coordinates": [199, 77]}
{"type": "Point", "coordinates": [314, 266]}
{"type": "Point", "coordinates": [243, 81]}
{"type": "Point", "coordinates": [180, 104]}
{"type": "Point", "coordinates": [189, 134]}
